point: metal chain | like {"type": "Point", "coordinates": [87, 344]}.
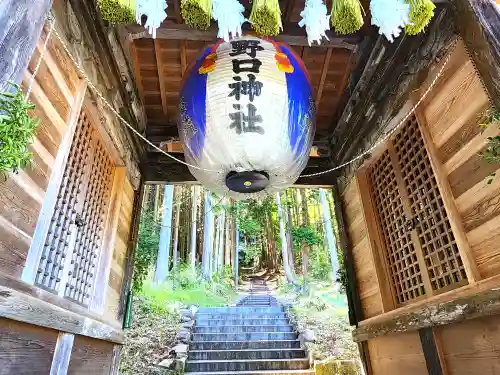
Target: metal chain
{"type": "Point", "coordinates": [115, 112]}
{"type": "Point", "coordinates": [52, 22]}
{"type": "Point", "coordinates": [386, 137]}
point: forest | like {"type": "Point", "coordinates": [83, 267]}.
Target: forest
{"type": "Point", "coordinates": [185, 227]}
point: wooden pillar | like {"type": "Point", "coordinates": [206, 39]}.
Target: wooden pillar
{"type": "Point", "coordinates": [21, 23]}
{"type": "Point", "coordinates": [479, 24]}
{"type": "Point", "coordinates": [430, 347]}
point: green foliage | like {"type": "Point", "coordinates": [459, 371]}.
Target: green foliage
{"type": "Point", "coordinates": [147, 248]}
{"type": "Point", "coordinates": [346, 16]}
{"type": "Point", "coordinates": [197, 13]}
{"type": "Point", "coordinates": [116, 12]}
{"type": "Point", "coordinates": [185, 287]}
{"type": "Point", "coordinates": [320, 266]}
{"type": "Point", "coordinates": [17, 129]}
{"type": "Point", "coordinates": [492, 152]}
{"type": "Point", "coordinates": [305, 234]}
{"type": "Point", "coordinates": [421, 12]}
{"type": "Point", "coordinates": [252, 254]}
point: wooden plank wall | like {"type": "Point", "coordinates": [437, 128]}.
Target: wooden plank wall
{"type": "Point", "coordinates": [21, 194]}
{"type": "Point", "coordinates": [364, 266]}
{"type": "Point", "coordinates": [453, 112]}
{"type": "Point", "coordinates": [120, 252]}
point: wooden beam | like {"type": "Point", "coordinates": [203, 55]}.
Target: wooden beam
{"type": "Point", "coordinates": [292, 34]}
{"type": "Point", "coordinates": [469, 302]}
{"type": "Point", "coordinates": [177, 11]}
{"type": "Point", "coordinates": [324, 71]}
{"type": "Point", "coordinates": [383, 84]}
{"type": "Point", "coordinates": [479, 24]}
{"type": "Point", "coordinates": [21, 22]}
{"type": "Point", "coordinates": [161, 77]}
{"type": "Point", "coordinates": [158, 168]}
{"type": "Point", "coordinates": [431, 355]}
{"type": "Point", "coordinates": [62, 354]}
{"type": "Point", "coordinates": [28, 309]}
{"type": "Point", "coordinates": [289, 10]}
{"type": "Point", "coordinates": [183, 57]}
{"type": "Point", "coordinates": [136, 65]}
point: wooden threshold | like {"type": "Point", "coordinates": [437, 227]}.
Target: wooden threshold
{"type": "Point", "coordinates": [469, 302]}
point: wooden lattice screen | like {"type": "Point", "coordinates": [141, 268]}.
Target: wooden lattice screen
{"type": "Point", "coordinates": [73, 241]}
{"type": "Point", "coordinates": [420, 248]}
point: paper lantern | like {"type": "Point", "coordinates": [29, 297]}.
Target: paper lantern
{"type": "Point", "coordinates": [247, 115]}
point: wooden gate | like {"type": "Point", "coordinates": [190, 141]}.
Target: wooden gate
{"type": "Point", "coordinates": [419, 249]}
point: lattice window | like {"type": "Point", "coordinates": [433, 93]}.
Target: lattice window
{"type": "Point", "coordinates": [401, 257]}
{"type": "Point", "coordinates": [412, 219]}
{"type": "Point", "coordinates": [442, 258]}
{"type": "Point", "coordinates": [74, 238]}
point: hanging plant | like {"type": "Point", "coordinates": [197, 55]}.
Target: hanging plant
{"type": "Point", "coordinates": [229, 17]}
{"type": "Point", "coordinates": [347, 16]}
{"type": "Point", "coordinates": [421, 12]}
{"type": "Point", "coordinates": [492, 152]}
{"type": "Point", "coordinates": [390, 23]}
{"type": "Point", "coordinates": [266, 17]}
{"type": "Point", "coordinates": [155, 12]}
{"type": "Point", "coordinates": [316, 20]}
{"type": "Point", "coordinates": [17, 129]}
{"type": "Point", "coordinates": [117, 12]}
{"type": "Point", "coordinates": [197, 13]}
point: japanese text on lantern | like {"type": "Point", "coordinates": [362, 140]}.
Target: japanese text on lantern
{"type": "Point", "coordinates": [246, 120]}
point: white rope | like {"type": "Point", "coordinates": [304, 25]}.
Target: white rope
{"type": "Point", "coordinates": [125, 122]}
{"type": "Point", "coordinates": [115, 112]}
{"type": "Point", "coordinates": [52, 22]}
{"type": "Point", "coordinates": [386, 137]}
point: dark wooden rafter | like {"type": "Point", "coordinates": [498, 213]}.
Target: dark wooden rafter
{"type": "Point", "coordinates": [287, 16]}
{"type": "Point", "coordinates": [292, 34]}
{"type": "Point", "coordinates": [161, 77]}
{"type": "Point", "coordinates": [479, 26]}
{"type": "Point", "coordinates": [387, 74]}
{"type": "Point", "coordinates": [183, 56]}
{"type": "Point", "coordinates": [137, 71]}
{"type": "Point", "coordinates": [177, 11]}
{"type": "Point", "coordinates": [324, 72]}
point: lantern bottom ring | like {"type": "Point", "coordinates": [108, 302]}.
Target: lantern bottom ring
{"type": "Point", "coordinates": [247, 182]}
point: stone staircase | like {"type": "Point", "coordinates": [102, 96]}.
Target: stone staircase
{"type": "Point", "coordinates": [254, 337]}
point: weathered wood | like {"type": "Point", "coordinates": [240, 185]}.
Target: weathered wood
{"type": "Point", "coordinates": [431, 354]}
{"type": "Point", "coordinates": [21, 22]}
{"type": "Point", "coordinates": [25, 308]}
{"type": "Point", "coordinates": [115, 360]}
{"type": "Point", "coordinates": [131, 248]}
{"type": "Point", "coordinates": [434, 313]}
{"type": "Point", "coordinates": [62, 354]}
{"type": "Point", "coordinates": [326, 65]}
{"type": "Point", "coordinates": [391, 73]}
{"type": "Point", "coordinates": [479, 24]}
{"type": "Point", "coordinates": [161, 77]}
{"type": "Point", "coordinates": [91, 356]}
{"type": "Point", "coordinates": [25, 349]}
{"type": "Point", "coordinates": [292, 34]}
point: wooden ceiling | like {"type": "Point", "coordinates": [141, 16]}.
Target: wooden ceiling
{"type": "Point", "coordinates": [160, 63]}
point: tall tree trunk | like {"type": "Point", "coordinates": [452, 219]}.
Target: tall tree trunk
{"type": "Point", "coordinates": [218, 239]}
{"type": "Point", "coordinates": [207, 237]}
{"type": "Point", "coordinates": [284, 246]}
{"type": "Point", "coordinates": [221, 241]}
{"type": "Point", "coordinates": [163, 260]}
{"type": "Point", "coordinates": [194, 209]}
{"type": "Point", "coordinates": [305, 207]}
{"type": "Point", "coordinates": [228, 243]}
{"type": "Point", "coordinates": [289, 224]}
{"type": "Point", "coordinates": [236, 256]}
{"type": "Point", "coordinates": [329, 234]}
{"type": "Point", "coordinates": [305, 263]}
{"type": "Point", "coordinates": [175, 248]}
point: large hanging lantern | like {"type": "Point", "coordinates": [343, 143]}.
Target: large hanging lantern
{"type": "Point", "coordinates": [247, 117]}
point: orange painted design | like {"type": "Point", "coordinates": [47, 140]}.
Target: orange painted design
{"type": "Point", "coordinates": [208, 64]}
{"type": "Point", "coordinates": [283, 62]}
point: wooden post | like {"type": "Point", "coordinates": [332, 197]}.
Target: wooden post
{"type": "Point", "coordinates": [430, 349]}
{"type": "Point", "coordinates": [62, 354]}
{"type": "Point", "coordinates": [21, 23]}
{"type": "Point", "coordinates": [479, 24]}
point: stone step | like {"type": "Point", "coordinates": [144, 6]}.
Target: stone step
{"type": "Point", "coordinates": [248, 365]}
{"type": "Point", "coordinates": [243, 328]}
{"type": "Point", "coordinates": [240, 310]}
{"type": "Point", "coordinates": [210, 316]}
{"type": "Point", "coordinates": [243, 322]}
{"type": "Point", "coordinates": [250, 336]}
{"type": "Point", "coordinates": [271, 372]}
{"type": "Point", "coordinates": [228, 355]}
{"type": "Point", "coordinates": [240, 345]}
